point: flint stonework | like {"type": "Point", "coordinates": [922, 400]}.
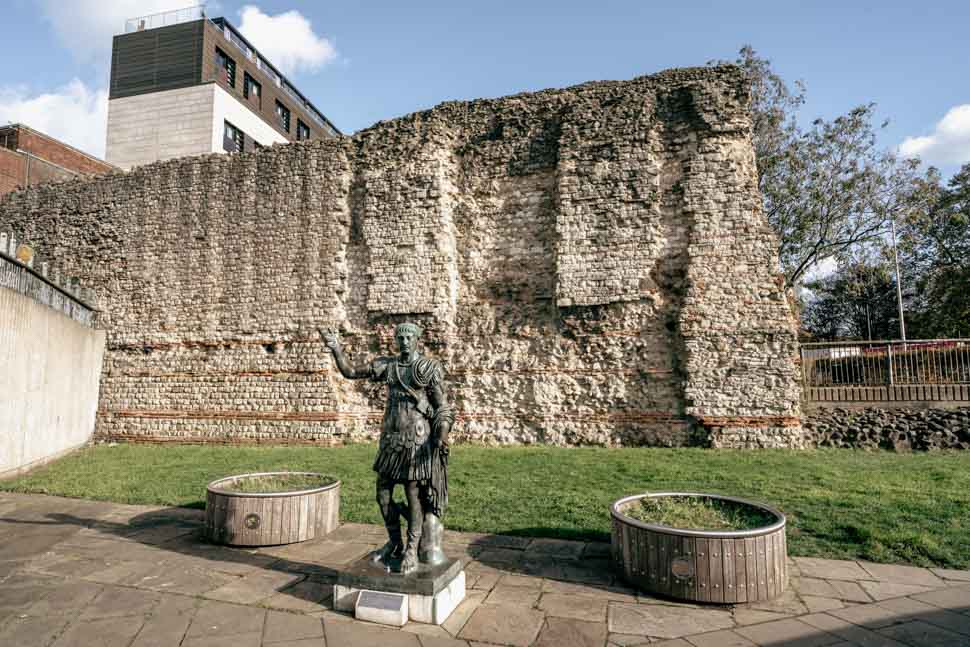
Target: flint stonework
{"type": "Point", "coordinates": [591, 264]}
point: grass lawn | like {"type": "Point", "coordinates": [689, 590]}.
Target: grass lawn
{"type": "Point", "coordinates": [884, 507]}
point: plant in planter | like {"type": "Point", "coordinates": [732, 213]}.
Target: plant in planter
{"type": "Point", "coordinates": [269, 508]}
{"type": "Point", "coordinates": [702, 547]}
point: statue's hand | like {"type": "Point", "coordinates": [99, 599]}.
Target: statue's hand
{"type": "Point", "coordinates": [330, 338]}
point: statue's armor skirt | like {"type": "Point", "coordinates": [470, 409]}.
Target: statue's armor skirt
{"type": "Point", "coordinates": [405, 452]}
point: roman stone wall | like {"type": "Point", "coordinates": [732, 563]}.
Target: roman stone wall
{"type": "Point", "coordinates": [591, 264]}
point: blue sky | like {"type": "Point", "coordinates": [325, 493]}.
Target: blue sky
{"type": "Point", "coordinates": [367, 61]}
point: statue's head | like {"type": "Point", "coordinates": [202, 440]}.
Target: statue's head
{"type": "Point", "coordinates": [407, 335]}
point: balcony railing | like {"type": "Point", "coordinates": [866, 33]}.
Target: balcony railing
{"type": "Point", "coordinates": [164, 19]}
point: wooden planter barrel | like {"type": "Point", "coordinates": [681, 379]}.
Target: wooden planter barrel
{"type": "Point", "coordinates": [725, 567]}
{"type": "Point", "coordinates": [266, 519]}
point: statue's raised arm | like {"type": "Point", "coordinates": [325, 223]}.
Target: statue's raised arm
{"type": "Point", "coordinates": [332, 340]}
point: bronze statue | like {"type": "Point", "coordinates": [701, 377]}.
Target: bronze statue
{"type": "Point", "coordinates": [413, 448]}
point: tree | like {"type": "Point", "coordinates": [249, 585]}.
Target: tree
{"type": "Point", "coordinates": [856, 301]}
{"type": "Point", "coordinates": [827, 189]}
{"type": "Point", "coordinates": [936, 250]}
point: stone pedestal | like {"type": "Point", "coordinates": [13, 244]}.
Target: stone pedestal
{"type": "Point", "coordinates": [432, 592]}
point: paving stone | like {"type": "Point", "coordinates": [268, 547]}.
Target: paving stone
{"type": "Point", "coordinates": [23, 592]}
{"type": "Point", "coordinates": [561, 548]}
{"type": "Point", "coordinates": [902, 574]}
{"type": "Point", "coordinates": [217, 618]}
{"type": "Point", "coordinates": [503, 624]}
{"type": "Point", "coordinates": [569, 632]}
{"type": "Point", "coordinates": [723, 638]}
{"type": "Point", "coordinates": [955, 598]}
{"type": "Point", "coordinates": [677, 642]}
{"type": "Point", "coordinates": [813, 586]}
{"type": "Point", "coordinates": [180, 578]}
{"type": "Point", "coordinates": [250, 639]}
{"type": "Point", "coordinates": [951, 574]}
{"type": "Point", "coordinates": [866, 615]}
{"type": "Point", "coordinates": [103, 632]}
{"type": "Point", "coordinates": [435, 641]}
{"type": "Point", "coordinates": [421, 629]}
{"type": "Point", "coordinates": [845, 630]}
{"type": "Point", "coordinates": [459, 617]}
{"type": "Point", "coordinates": [485, 580]}
{"type": "Point", "coordinates": [886, 590]}
{"type": "Point", "coordinates": [493, 556]}
{"type": "Point", "coordinates": [123, 572]}
{"type": "Point", "coordinates": [787, 603]}
{"type": "Point", "coordinates": [628, 640]}
{"type": "Point", "coordinates": [281, 626]}
{"type": "Point", "coordinates": [817, 604]}
{"type": "Point", "coordinates": [746, 616]}
{"type": "Point", "coordinates": [32, 631]}
{"type": "Point", "coordinates": [254, 587]}
{"type": "Point", "coordinates": [116, 601]}
{"type": "Point", "coordinates": [340, 554]}
{"type": "Point", "coordinates": [304, 642]}
{"type": "Point", "coordinates": [359, 634]}
{"type": "Point", "coordinates": [464, 552]}
{"type": "Point", "coordinates": [561, 605]}
{"type": "Point", "coordinates": [306, 596]}
{"type": "Point", "coordinates": [917, 632]}
{"type": "Point", "coordinates": [850, 591]}
{"type": "Point", "coordinates": [618, 594]}
{"type": "Point", "coordinates": [790, 632]}
{"type": "Point", "coordinates": [665, 621]}
{"type": "Point", "coordinates": [26, 544]}
{"type": "Point", "coordinates": [67, 599]}
{"type": "Point", "coordinates": [168, 622]}
{"type": "Point", "coordinates": [831, 569]}
{"type": "Point", "coordinates": [513, 595]}
{"type": "Point", "coordinates": [909, 609]}
{"type": "Point", "coordinates": [66, 565]}
{"type": "Point", "coordinates": [524, 581]}
{"type": "Point", "coordinates": [501, 541]}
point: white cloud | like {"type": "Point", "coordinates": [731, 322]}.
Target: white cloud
{"type": "Point", "coordinates": [75, 114]}
{"type": "Point", "coordinates": [286, 39]}
{"type": "Point", "coordinates": [86, 26]}
{"type": "Point", "coordinates": [948, 144]}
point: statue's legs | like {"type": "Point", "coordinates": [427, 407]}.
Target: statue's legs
{"type": "Point", "coordinates": [415, 522]}
{"type": "Point", "coordinates": [432, 535]}
{"type": "Point", "coordinates": [391, 514]}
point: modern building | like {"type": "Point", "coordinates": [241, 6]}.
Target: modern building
{"type": "Point", "coordinates": [29, 158]}
{"type": "Point", "coordinates": [186, 84]}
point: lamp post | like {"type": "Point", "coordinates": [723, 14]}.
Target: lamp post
{"type": "Point", "coordinates": [899, 289]}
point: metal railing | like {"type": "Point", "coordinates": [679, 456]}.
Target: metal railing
{"type": "Point", "coordinates": [886, 363]}
{"type": "Point", "coordinates": [164, 19]}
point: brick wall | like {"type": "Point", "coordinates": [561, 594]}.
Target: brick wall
{"type": "Point", "coordinates": [591, 265]}
{"type": "Point", "coordinates": [60, 154]}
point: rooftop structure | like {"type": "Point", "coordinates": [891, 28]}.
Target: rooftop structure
{"type": "Point", "coordinates": [186, 84]}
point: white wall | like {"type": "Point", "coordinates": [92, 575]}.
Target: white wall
{"type": "Point", "coordinates": [228, 108]}
{"type": "Point", "coordinates": [161, 125]}
{"type": "Point", "coordinates": [50, 368]}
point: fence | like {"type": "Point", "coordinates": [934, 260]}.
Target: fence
{"type": "Point", "coordinates": [929, 370]}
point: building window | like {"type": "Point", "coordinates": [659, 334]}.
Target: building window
{"type": "Point", "coordinates": [302, 131]}
{"type": "Point", "coordinates": [252, 90]}
{"type": "Point", "coordinates": [283, 116]}
{"type": "Point", "coordinates": [227, 68]}
{"type": "Point", "coordinates": [233, 139]}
